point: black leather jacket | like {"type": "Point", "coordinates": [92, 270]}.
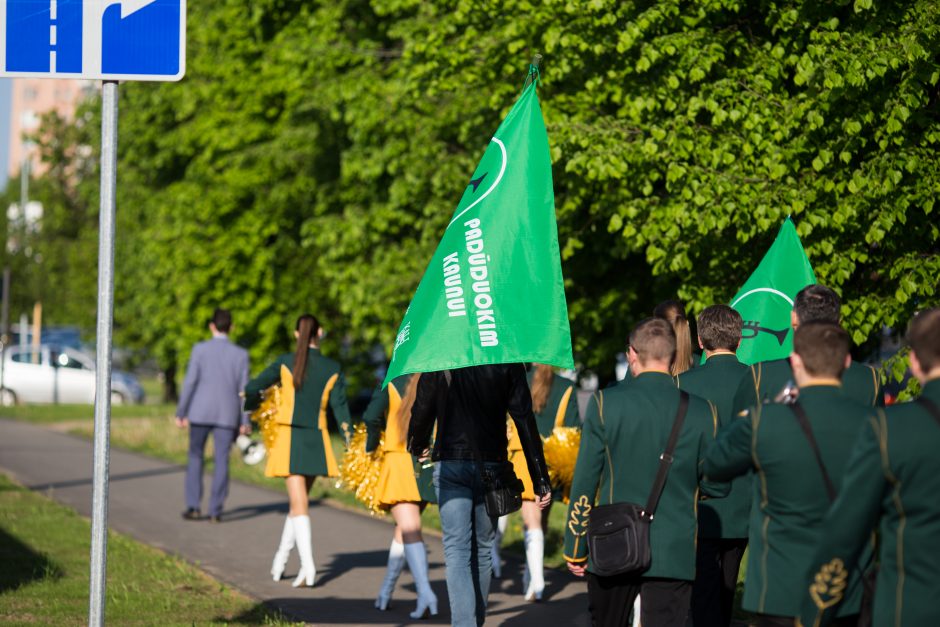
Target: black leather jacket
{"type": "Point", "coordinates": [471, 410]}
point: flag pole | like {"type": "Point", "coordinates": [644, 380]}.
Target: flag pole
{"type": "Point", "coordinates": [534, 65]}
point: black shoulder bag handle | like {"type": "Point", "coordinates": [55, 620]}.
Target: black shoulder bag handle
{"type": "Point", "coordinates": [931, 408]}
{"type": "Point", "coordinates": [803, 420]}
{"type": "Point", "coordinates": [666, 459]}
{"type": "Point", "coordinates": [868, 581]}
{"type": "Point", "coordinates": [619, 533]}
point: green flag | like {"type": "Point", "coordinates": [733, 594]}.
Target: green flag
{"type": "Point", "coordinates": [766, 299]}
{"type": "Point", "coordinates": [493, 292]}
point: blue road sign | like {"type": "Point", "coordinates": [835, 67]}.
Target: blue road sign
{"type": "Point", "coordinates": [94, 39]}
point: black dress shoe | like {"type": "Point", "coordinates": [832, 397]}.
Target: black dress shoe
{"type": "Point", "coordinates": [215, 519]}
{"type": "Point", "coordinates": [192, 514]}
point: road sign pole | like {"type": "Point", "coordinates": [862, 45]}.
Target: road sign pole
{"type": "Point", "coordinates": [99, 511]}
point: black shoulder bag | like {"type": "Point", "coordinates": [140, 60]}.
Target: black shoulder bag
{"type": "Point", "coordinates": [618, 534]}
{"type": "Point", "coordinates": [865, 615]}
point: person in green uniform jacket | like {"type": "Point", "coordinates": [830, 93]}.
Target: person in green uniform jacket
{"type": "Point", "coordinates": [791, 496]}
{"type": "Point", "coordinates": [766, 381]}
{"type": "Point", "coordinates": [555, 404]}
{"type": "Point", "coordinates": [399, 488]}
{"type": "Point", "coordinates": [722, 523]}
{"type": "Point", "coordinates": [892, 483]}
{"type": "Point", "coordinates": [309, 384]}
{"type": "Point", "coordinates": [624, 433]}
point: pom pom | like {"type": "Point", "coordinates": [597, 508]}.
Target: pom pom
{"type": "Point", "coordinates": [359, 471]}
{"type": "Point", "coordinates": [266, 415]}
{"type": "Point", "coordinates": [561, 453]}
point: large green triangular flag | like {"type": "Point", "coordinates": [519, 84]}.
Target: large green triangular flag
{"type": "Point", "coordinates": [766, 299]}
{"type": "Point", "coordinates": [493, 291]}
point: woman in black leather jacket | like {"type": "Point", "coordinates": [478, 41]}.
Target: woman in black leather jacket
{"type": "Point", "coordinates": [470, 407]}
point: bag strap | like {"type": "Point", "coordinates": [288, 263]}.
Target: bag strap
{"type": "Point", "coordinates": [666, 459]}
{"type": "Point", "coordinates": [931, 408]}
{"type": "Point", "coordinates": [801, 418]}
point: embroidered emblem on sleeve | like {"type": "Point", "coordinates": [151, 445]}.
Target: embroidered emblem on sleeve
{"type": "Point", "coordinates": [580, 511]}
{"type": "Point", "coordinates": [829, 584]}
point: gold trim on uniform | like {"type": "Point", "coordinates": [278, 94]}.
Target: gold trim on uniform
{"type": "Point", "coordinates": [829, 584]}
{"type": "Point", "coordinates": [331, 468]}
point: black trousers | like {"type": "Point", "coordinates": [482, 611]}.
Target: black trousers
{"type": "Point", "coordinates": [767, 620]}
{"type": "Point", "coordinates": [665, 601]}
{"type": "Point", "coordinates": [717, 562]}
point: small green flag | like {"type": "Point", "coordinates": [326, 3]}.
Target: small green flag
{"type": "Point", "coordinates": [766, 299]}
{"type": "Point", "coordinates": [493, 292]}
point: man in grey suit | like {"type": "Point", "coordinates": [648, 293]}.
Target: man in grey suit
{"type": "Point", "coordinates": [211, 403]}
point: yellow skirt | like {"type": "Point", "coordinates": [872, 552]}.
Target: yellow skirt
{"type": "Point", "coordinates": [397, 480]}
{"type": "Point", "coordinates": [522, 471]}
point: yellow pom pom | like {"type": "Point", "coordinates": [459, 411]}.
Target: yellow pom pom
{"type": "Point", "coordinates": [359, 471]}
{"type": "Point", "coordinates": [561, 453]}
{"type": "Point", "coordinates": [266, 415]}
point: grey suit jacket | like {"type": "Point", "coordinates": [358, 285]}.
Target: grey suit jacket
{"type": "Point", "coordinates": [217, 373]}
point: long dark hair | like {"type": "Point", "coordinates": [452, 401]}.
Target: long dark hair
{"type": "Point", "coordinates": [673, 312]}
{"type": "Point", "coordinates": [307, 328]}
{"type": "Point", "coordinates": [541, 386]}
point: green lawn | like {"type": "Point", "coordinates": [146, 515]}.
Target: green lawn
{"type": "Point", "coordinates": [44, 552]}
{"type": "Point", "coordinates": [150, 429]}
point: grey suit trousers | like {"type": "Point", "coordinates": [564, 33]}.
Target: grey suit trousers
{"type": "Point", "coordinates": [222, 439]}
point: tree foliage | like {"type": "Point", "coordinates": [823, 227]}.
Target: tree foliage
{"type": "Point", "coordinates": [313, 154]}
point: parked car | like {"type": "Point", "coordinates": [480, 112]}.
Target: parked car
{"type": "Point", "coordinates": [59, 374]}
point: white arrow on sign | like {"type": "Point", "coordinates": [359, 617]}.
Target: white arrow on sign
{"type": "Point", "coordinates": [129, 7]}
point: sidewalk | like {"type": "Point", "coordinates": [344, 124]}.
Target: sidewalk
{"type": "Point", "coordinates": [146, 498]}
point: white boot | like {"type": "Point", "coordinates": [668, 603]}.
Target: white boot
{"type": "Point", "coordinates": [283, 551]}
{"type": "Point", "coordinates": [417, 556]}
{"type": "Point", "coordinates": [636, 612]}
{"type": "Point", "coordinates": [500, 530]}
{"type": "Point", "coordinates": [305, 549]}
{"type": "Point", "coordinates": [396, 562]}
{"type": "Point", "coordinates": [534, 555]}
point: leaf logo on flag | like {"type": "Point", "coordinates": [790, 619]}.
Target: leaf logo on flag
{"type": "Point", "coordinates": [493, 291]}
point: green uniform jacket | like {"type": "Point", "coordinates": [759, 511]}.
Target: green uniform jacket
{"type": "Point", "coordinates": [322, 376]}
{"type": "Point", "coordinates": [767, 378]}
{"type": "Point", "coordinates": [624, 432]}
{"type": "Point", "coordinates": [789, 500]}
{"type": "Point", "coordinates": [563, 397]}
{"type": "Point", "coordinates": [892, 482]}
{"type": "Point", "coordinates": [717, 381]}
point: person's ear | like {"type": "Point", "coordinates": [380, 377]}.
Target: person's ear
{"type": "Point", "coordinates": [794, 320]}
{"type": "Point", "coordinates": [700, 345]}
{"type": "Point", "coordinates": [848, 361]}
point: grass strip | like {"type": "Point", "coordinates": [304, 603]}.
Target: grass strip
{"type": "Point", "coordinates": [44, 549]}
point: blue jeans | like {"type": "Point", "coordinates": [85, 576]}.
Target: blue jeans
{"type": "Point", "coordinates": [469, 534]}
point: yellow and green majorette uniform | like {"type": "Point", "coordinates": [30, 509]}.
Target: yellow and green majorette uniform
{"type": "Point", "coordinates": [892, 483]}
{"type": "Point", "coordinates": [764, 380]}
{"type": "Point", "coordinates": [301, 443]}
{"type": "Point", "coordinates": [789, 498]}
{"type": "Point", "coordinates": [561, 410]}
{"type": "Point", "coordinates": [397, 481]}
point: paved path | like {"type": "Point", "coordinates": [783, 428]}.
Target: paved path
{"type": "Point", "coordinates": [146, 498]}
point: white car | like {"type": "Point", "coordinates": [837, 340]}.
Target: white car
{"type": "Point", "coordinates": [52, 374]}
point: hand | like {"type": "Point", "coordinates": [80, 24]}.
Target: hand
{"type": "Point", "coordinates": [577, 569]}
{"type": "Point", "coordinates": [543, 500]}
{"type": "Point", "coordinates": [182, 423]}
{"type": "Point", "coordinates": [244, 430]}
{"type": "Point", "coordinates": [425, 455]}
